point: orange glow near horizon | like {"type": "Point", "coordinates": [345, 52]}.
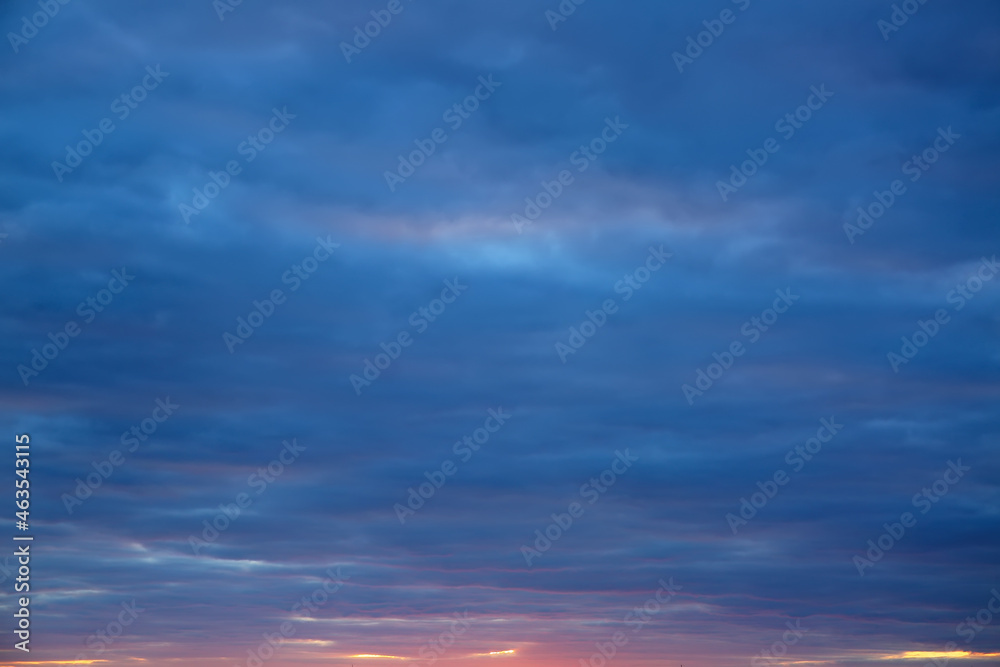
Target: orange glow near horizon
{"type": "Point", "coordinates": [311, 658]}
{"type": "Point", "coordinates": [921, 655]}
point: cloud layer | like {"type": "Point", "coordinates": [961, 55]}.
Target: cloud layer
{"type": "Point", "coordinates": [362, 267]}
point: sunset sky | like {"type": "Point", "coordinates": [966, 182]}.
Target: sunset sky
{"type": "Point", "coordinates": [382, 307]}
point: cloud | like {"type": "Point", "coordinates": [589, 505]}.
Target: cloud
{"type": "Point", "coordinates": [495, 346]}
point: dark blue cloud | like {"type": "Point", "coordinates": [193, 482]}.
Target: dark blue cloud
{"type": "Point", "coordinates": [495, 346]}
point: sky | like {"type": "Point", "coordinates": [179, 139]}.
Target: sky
{"type": "Point", "coordinates": [524, 333]}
